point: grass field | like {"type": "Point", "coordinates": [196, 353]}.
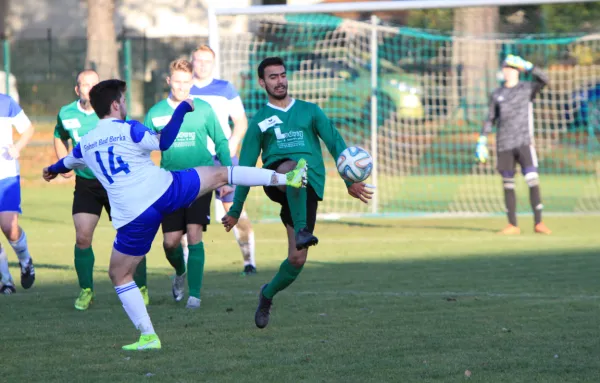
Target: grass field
{"type": "Point", "coordinates": [412, 300]}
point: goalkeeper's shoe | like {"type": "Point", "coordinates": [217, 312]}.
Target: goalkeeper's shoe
{"type": "Point", "coordinates": [297, 178]}
{"type": "Point", "coordinates": [144, 291]}
{"type": "Point", "coordinates": [510, 230]}
{"type": "Point", "coordinates": [305, 239]}
{"type": "Point", "coordinates": [8, 288]}
{"type": "Point", "coordinates": [178, 287]}
{"type": "Point", "coordinates": [146, 342]}
{"type": "Point", "coordinates": [27, 274]}
{"type": "Point", "coordinates": [85, 298]}
{"type": "Point", "coordinates": [540, 228]}
{"type": "Point", "coordinates": [263, 311]}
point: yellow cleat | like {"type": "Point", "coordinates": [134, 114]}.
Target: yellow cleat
{"type": "Point", "coordinates": [144, 291]}
{"type": "Point", "coordinates": [540, 228]}
{"type": "Point", "coordinates": [85, 298]}
{"type": "Point", "coordinates": [298, 177]}
{"type": "Point", "coordinates": [510, 230]}
{"type": "Point", "coordinates": [146, 342]}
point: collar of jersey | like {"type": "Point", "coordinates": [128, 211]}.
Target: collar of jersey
{"type": "Point", "coordinates": [202, 84]}
{"type": "Point", "coordinates": [83, 110]}
{"type": "Point", "coordinates": [171, 103]}
{"type": "Point", "coordinates": [281, 109]}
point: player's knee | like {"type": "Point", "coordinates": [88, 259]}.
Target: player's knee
{"type": "Point", "coordinates": [171, 243]}
{"type": "Point", "coordinates": [532, 179]}
{"type": "Point", "coordinates": [83, 239]}
{"type": "Point", "coordinates": [195, 236]}
{"type": "Point", "coordinates": [297, 257]}
{"type": "Point", "coordinates": [508, 183]}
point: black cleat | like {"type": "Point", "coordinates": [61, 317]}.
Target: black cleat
{"type": "Point", "coordinates": [305, 239]}
{"type": "Point", "coordinates": [249, 270]}
{"type": "Point", "coordinates": [263, 312]}
{"type": "Point", "coordinates": [8, 289]}
{"type": "Point", "coordinates": [27, 274]}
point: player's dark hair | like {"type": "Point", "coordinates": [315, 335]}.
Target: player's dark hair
{"type": "Point", "coordinates": [269, 61]}
{"type": "Point", "coordinates": [103, 94]}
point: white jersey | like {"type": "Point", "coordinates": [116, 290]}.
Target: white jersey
{"type": "Point", "coordinates": [118, 153]}
{"type": "Point", "coordinates": [225, 101]}
{"type": "Point", "coordinates": [11, 115]}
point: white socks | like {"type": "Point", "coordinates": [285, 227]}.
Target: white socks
{"type": "Point", "coordinates": [20, 247]}
{"type": "Point", "coordinates": [4, 272]}
{"type": "Point", "coordinates": [134, 306]}
{"type": "Point", "coordinates": [246, 248]}
{"type": "Point", "coordinates": [249, 176]}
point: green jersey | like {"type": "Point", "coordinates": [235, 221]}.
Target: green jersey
{"type": "Point", "coordinates": [290, 133]}
{"type": "Point", "coordinates": [72, 123]}
{"type": "Point", "coordinates": [190, 147]}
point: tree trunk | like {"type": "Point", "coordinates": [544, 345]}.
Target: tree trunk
{"type": "Point", "coordinates": [477, 51]}
{"type": "Point", "coordinates": [102, 49]}
{"type": "Point", "coordinates": [3, 16]}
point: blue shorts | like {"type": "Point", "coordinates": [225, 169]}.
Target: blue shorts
{"type": "Point", "coordinates": [229, 197]}
{"type": "Point", "coordinates": [10, 194]}
{"type": "Point", "coordinates": [136, 237]}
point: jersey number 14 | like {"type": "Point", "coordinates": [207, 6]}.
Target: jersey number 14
{"type": "Point", "coordinates": [123, 166]}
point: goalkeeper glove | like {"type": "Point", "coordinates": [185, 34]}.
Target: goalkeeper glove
{"type": "Point", "coordinates": [481, 151]}
{"type": "Point", "coordinates": [518, 63]}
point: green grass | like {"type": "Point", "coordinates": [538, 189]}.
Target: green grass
{"type": "Point", "coordinates": [413, 300]}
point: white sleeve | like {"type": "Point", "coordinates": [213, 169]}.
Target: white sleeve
{"type": "Point", "coordinates": [150, 141]}
{"type": "Point", "coordinates": [72, 162]}
{"type": "Point", "coordinates": [21, 122]}
{"type": "Point", "coordinates": [236, 107]}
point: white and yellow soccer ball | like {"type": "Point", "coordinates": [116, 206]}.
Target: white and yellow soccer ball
{"type": "Point", "coordinates": [355, 164]}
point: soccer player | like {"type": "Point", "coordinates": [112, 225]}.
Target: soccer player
{"type": "Point", "coordinates": [189, 150]}
{"type": "Point", "coordinates": [511, 110]}
{"type": "Point", "coordinates": [140, 193]}
{"type": "Point", "coordinates": [226, 102]}
{"type": "Point", "coordinates": [11, 115]}
{"type": "Point", "coordinates": [73, 122]}
{"type": "Point", "coordinates": [287, 129]}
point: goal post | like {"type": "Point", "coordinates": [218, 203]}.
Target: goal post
{"type": "Point", "coordinates": [416, 99]}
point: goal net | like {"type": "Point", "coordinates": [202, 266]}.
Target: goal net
{"type": "Point", "coordinates": [417, 99]}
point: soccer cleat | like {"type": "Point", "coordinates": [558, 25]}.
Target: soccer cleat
{"type": "Point", "coordinates": [27, 274]}
{"type": "Point", "coordinates": [510, 230]}
{"type": "Point", "coordinates": [297, 178]}
{"type": "Point", "coordinates": [249, 270]}
{"type": "Point", "coordinates": [146, 342]}
{"type": "Point", "coordinates": [178, 287]}
{"type": "Point", "coordinates": [8, 288]}
{"type": "Point", "coordinates": [540, 228]}
{"type": "Point", "coordinates": [305, 239]}
{"type": "Point", "coordinates": [85, 298]}
{"type": "Point", "coordinates": [144, 291]}
{"type": "Point", "coordinates": [263, 311]}
{"type": "Point", "coordinates": [193, 303]}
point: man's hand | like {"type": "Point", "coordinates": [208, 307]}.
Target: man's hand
{"type": "Point", "coordinates": [13, 152]}
{"type": "Point", "coordinates": [48, 176]}
{"type": "Point", "coordinates": [229, 222]}
{"type": "Point", "coordinates": [518, 63]}
{"type": "Point", "coordinates": [191, 102]}
{"type": "Point", "coordinates": [360, 190]}
{"type": "Point", "coordinates": [225, 190]}
{"type": "Point", "coordinates": [481, 150]}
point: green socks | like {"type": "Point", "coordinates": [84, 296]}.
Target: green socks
{"type": "Point", "coordinates": [285, 276]}
{"type": "Point", "coordinates": [84, 266]}
{"type": "Point", "coordinates": [140, 276]}
{"type": "Point", "coordinates": [297, 201]}
{"type": "Point", "coordinates": [195, 269]}
{"type": "Point", "coordinates": [175, 258]}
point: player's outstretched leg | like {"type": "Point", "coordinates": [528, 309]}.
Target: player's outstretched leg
{"type": "Point", "coordinates": [121, 270]}
{"type": "Point", "coordinates": [18, 241]}
{"type": "Point", "coordinates": [7, 286]}
{"type": "Point", "coordinates": [287, 274]}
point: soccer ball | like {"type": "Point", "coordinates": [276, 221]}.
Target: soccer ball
{"type": "Point", "coordinates": [355, 164]}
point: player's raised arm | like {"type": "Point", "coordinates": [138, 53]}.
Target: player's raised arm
{"type": "Point", "coordinates": [169, 133]}
{"type": "Point", "coordinates": [248, 157]}
{"type": "Point", "coordinates": [540, 80]}
{"type": "Point", "coordinates": [73, 160]}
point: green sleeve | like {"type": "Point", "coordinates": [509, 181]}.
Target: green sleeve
{"type": "Point", "coordinates": [148, 122]}
{"type": "Point", "coordinates": [215, 132]}
{"type": "Point", "coordinates": [59, 129]}
{"type": "Point", "coordinates": [248, 157]}
{"type": "Point", "coordinates": [329, 134]}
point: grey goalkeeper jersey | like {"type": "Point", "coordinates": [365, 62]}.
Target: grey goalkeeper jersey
{"type": "Point", "coordinates": [511, 110]}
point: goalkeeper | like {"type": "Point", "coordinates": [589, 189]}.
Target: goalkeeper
{"type": "Point", "coordinates": [287, 130]}
{"type": "Point", "coordinates": [511, 110]}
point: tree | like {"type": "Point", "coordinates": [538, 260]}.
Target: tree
{"type": "Point", "coordinates": [102, 49]}
{"type": "Point", "coordinates": [3, 15]}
